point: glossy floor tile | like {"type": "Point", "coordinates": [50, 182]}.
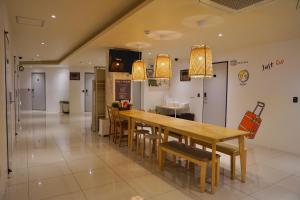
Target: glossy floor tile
{"type": "Point", "coordinates": [96, 177]}
{"type": "Point", "coordinates": [113, 191]}
{"type": "Point", "coordinates": [44, 188]}
{"type": "Point", "coordinates": [57, 157]}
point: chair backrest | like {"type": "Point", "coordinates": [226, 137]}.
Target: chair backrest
{"type": "Point", "coordinates": [109, 111]}
{"type": "Point", "coordinates": [116, 116]}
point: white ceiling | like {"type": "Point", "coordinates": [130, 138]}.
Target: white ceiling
{"type": "Point", "coordinates": [77, 21]}
{"type": "Point", "coordinates": [273, 21]}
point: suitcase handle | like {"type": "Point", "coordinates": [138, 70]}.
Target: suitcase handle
{"type": "Point", "coordinates": [260, 105]}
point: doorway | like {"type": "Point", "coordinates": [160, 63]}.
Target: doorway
{"type": "Point", "coordinates": [136, 94]}
{"type": "Point", "coordinates": [9, 101]}
{"type": "Point", "coordinates": [215, 96]}
{"type": "Point", "coordinates": [88, 91]}
{"type": "Point", "coordinates": [38, 85]}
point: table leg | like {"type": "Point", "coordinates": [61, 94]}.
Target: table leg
{"type": "Point", "coordinates": [159, 141]}
{"type": "Point", "coordinates": [132, 133]}
{"type": "Point", "coordinates": [213, 168]}
{"type": "Point", "coordinates": [166, 135]}
{"type": "Point", "coordinates": [242, 158]}
{"type": "Point", "coordinates": [129, 132]}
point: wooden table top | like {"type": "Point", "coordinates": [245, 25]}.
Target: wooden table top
{"type": "Point", "coordinates": [196, 130]}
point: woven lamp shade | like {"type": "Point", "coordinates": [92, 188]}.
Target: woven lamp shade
{"type": "Point", "coordinates": [201, 62]}
{"type": "Point", "coordinates": [162, 68]}
{"type": "Point", "coordinates": [139, 71]}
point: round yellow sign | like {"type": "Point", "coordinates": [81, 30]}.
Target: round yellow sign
{"type": "Point", "coordinates": [243, 76]}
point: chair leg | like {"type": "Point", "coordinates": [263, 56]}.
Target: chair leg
{"type": "Point", "coordinates": [157, 147]}
{"type": "Point", "coordinates": [109, 133]}
{"type": "Point", "coordinates": [150, 148]}
{"type": "Point", "coordinates": [218, 172]}
{"type": "Point", "coordinates": [121, 135]}
{"type": "Point", "coordinates": [180, 139]}
{"type": "Point", "coordinates": [186, 140]}
{"type": "Point", "coordinates": [137, 143]}
{"type": "Point", "coordinates": [162, 155]}
{"type": "Point", "coordinates": [152, 130]}
{"type": "Point", "coordinates": [232, 166]}
{"type": "Point", "coordinates": [115, 135]}
{"type": "Point", "coordinates": [160, 158]}
{"type": "Point", "coordinates": [174, 159]}
{"type": "Point", "coordinates": [143, 147]}
{"type": "Point", "coordinates": [202, 177]}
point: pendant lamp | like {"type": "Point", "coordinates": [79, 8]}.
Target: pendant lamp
{"type": "Point", "coordinates": [162, 68]}
{"type": "Point", "coordinates": [139, 71]}
{"type": "Point", "coordinates": [201, 62]}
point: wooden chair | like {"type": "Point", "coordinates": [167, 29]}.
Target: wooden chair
{"type": "Point", "coordinates": [111, 123]}
{"type": "Point", "coordinates": [154, 141]}
{"type": "Point", "coordinates": [139, 135]}
{"type": "Point", "coordinates": [120, 126]}
{"type": "Point", "coordinates": [197, 156]}
{"type": "Point", "coordinates": [143, 125]}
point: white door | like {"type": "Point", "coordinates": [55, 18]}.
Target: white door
{"type": "Point", "coordinates": [215, 96]}
{"type": "Point", "coordinates": [38, 91]}
{"type": "Point", "coordinates": [196, 99]}
{"type": "Point", "coordinates": [136, 95]}
{"type": "Point", "coordinates": [88, 91]}
{"type": "Point", "coordinates": [9, 101]}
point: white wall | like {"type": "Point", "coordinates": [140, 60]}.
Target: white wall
{"type": "Point", "coordinates": [186, 91]}
{"type": "Point", "coordinates": [4, 26]}
{"type": "Point", "coordinates": [152, 96]}
{"type": "Point", "coordinates": [280, 127]}
{"type": "Point", "coordinates": [57, 85]}
{"type": "Point", "coordinates": [3, 157]}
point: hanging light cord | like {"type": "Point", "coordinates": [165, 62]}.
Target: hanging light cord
{"type": "Point", "coordinates": [298, 6]}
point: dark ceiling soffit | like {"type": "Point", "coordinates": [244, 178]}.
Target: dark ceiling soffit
{"type": "Point", "coordinates": [118, 19]}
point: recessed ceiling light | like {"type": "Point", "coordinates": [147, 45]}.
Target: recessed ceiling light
{"type": "Point", "coordinates": [43, 43]}
{"type": "Point", "coordinates": [220, 34]}
{"type": "Point", "coordinates": [149, 53]}
{"type": "Point", "coordinates": [37, 55]}
{"type": "Point", "coordinates": [53, 16]}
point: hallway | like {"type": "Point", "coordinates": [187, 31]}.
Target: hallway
{"type": "Point", "coordinates": [57, 157]}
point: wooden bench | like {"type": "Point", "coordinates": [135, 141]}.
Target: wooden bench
{"type": "Point", "coordinates": [197, 156]}
{"type": "Point", "coordinates": [225, 148]}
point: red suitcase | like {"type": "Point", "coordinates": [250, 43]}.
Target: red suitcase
{"type": "Point", "coordinates": [252, 121]}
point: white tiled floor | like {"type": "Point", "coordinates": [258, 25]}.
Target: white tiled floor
{"type": "Point", "coordinates": [57, 157]}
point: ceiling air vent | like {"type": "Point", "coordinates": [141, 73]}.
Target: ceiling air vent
{"type": "Point", "coordinates": [234, 5]}
{"type": "Point", "coordinates": [30, 21]}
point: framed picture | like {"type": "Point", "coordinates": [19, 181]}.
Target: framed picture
{"type": "Point", "coordinates": [150, 72]}
{"type": "Point", "coordinates": [184, 75]}
{"type": "Point", "coordinates": [158, 83]}
{"type": "Point", "coordinates": [75, 76]}
{"type": "Point", "coordinates": [122, 90]}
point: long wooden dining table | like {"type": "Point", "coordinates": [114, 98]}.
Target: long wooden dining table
{"type": "Point", "coordinates": [211, 134]}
